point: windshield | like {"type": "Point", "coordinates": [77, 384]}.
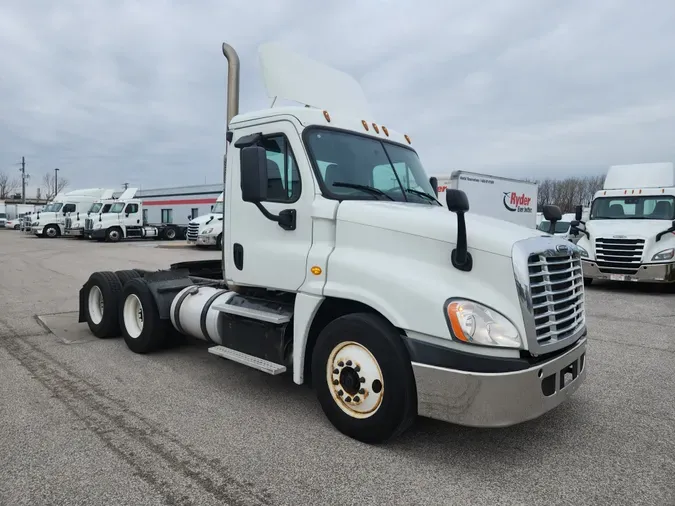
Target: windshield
{"type": "Point", "coordinates": [106, 208]}
{"type": "Point", "coordinates": [56, 207]}
{"type": "Point", "coordinates": [117, 207]}
{"type": "Point", "coordinates": [218, 208]}
{"type": "Point", "coordinates": [95, 207]}
{"type": "Point", "coordinates": [48, 208]}
{"type": "Point", "coordinates": [561, 227]}
{"type": "Point", "coordinates": [392, 172]}
{"type": "Point", "coordinates": [657, 207]}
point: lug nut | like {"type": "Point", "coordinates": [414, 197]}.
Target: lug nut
{"type": "Point", "coordinates": [362, 391]}
{"type": "Point", "coordinates": [356, 399]}
{"type": "Point", "coordinates": [340, 392]}
{"type": "Point", "coordinates": [357, 368]}
{"type": "Point", "coordinates": [348, 399]}
{"type": "Point", "coordinates": [341, 363]}
{"type": "Point", "coordinates": [336, 382]}
{"type": "Point", "coordinates": [349, 362]}
{"type": "Point", "coordinates": [336, 371]}
{"type": "Point", "coordinates": [362, 380]}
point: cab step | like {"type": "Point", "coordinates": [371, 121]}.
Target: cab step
{"type": "Point", "coordinates": [254, 314]}
{"type": "Point", "coordinates": [248, 360]}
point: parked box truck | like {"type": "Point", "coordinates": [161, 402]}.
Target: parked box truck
{"type": "Point", "coordinates": [512, 200]}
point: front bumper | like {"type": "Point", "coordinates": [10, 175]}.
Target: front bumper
{"type": "Point", "coordinates": [647, 273]}
{"type": "Point", "coordinates": [498, 399]}
{"type": "Point", "coordinates": [74, 232]}
{"type": "Point", "coordinates": [98, 233]}
{"type": "Point", "coordinates": [36, 230]}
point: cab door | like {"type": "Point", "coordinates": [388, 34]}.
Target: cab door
{"type": "Point", "coordinates": [257, 250]}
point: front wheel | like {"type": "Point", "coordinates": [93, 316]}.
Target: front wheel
{"type": "Point", "coordinates": [363, 378]}
{"type": "Point", "coordinates": [219, 242]}
{"type": "Point", "coordinates": [51, 231]}
{"type": "Point", "coordinates": [113, 235]}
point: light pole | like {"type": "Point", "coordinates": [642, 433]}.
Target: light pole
{"type": "Point", "coordinates": [56, 181]}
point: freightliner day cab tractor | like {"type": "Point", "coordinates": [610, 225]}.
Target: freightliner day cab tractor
{"type": "Point", "coordinates": [630, 233]}
{"type": "Point", "coordinates": [51, 221]}
{"type": "Point", "coordinates": [75, 225]}
{"type": "Point", "coordinates": [207, 230]}
{"type": "Point", "coordinates": [125, 220]}
{"type": "Point", "coordinates": [340, 267]}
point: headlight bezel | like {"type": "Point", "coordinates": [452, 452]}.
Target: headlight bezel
{"type": "Point", "coordinates": [664, 258]}
{"type": "Point", "coordinates": [517, 342]}
{"type": "Point", "coordinates": [207, 231]}
{"type": "Point", "coordinates": [583, 253]}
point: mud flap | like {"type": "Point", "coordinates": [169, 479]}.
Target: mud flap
{"type": "Point", "coordinates": [82, 316]}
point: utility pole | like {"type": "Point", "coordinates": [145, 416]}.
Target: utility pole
{"type": "Point", "coordinates": [126, 185]}
{"type": "Point", "coordinates": [56, 181]}
{"type": "Point", "coordinates": [23, 179]}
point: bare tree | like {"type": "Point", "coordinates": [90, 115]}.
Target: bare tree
{"type": "Point", "coordinates": [569, 192]}
{"type": "Point", "coordinates": [8, 186]}
{"type": "Point", "coordinates": [48, 182]}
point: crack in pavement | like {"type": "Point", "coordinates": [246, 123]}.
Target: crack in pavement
{"type": "Point", "coordinates": [178, 473]}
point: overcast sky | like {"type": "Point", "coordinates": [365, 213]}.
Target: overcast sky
{"type": "Point", "coordinates": [122, 91]}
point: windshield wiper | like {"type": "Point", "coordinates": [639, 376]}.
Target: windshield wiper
{"type": "Point", "coordinates": [369, 189]}
{"type": "Point", "coordinates": [423, 194]}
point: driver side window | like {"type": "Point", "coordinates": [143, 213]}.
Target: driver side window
{"type": "Point", "coordinates": [131, 209]}
{"type": "Point", "coordinates": [69, 208]}
{"type": "Point", "coordinates": [282, 170]}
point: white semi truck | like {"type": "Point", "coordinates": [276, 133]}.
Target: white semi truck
{"type": "Point", "coordinates": [507, 199]}
{"type": "Point", "coordinates": [207, 230]}
{"type": "Point", "coordinates": [126, 220]}
{"type": "Point", "coordinates": [344, 274]}
{"type": "Point", "coordinates": [75, 221]}
{"type": "Point", "coordinates": [51, 221]}
{"type": "Point", "coordinates": [630, 232]}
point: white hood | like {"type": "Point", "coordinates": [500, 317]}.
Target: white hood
{"type": "Point", "coordinates": [483, 233]}
{"type": "Point", "coordinates": [635, 229]}
{"type": "Point", "coordinates": [207, 218]}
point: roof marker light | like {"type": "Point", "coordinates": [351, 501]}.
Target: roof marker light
{"type": "Point", "coordinates": [386, 132]}
{"type": "Point", "coordinates": [326, 115]}
{"type": "Point", "coordinates": [365, 125]}
{"type": "Point", "coordinates": [377, 130]}
{"type": "Point", "coordinates": [407, 139]}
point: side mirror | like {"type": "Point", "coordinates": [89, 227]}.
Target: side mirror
{"type": "Point", "coordinates": [552, 214]}
{"type": "Point", "coordinates": [253, 167]}
{"type": "Point", "coordinates": [458, 203]}
{"type": "Point", "coordinates": [126, 214]}
{"type": "Point", "coordinates": [578, 211]}
{"type": "Point", "coordinates": [434, 185]}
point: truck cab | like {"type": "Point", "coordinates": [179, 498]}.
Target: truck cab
{"type": "Point", "coordinates": [75, 224]}
{"type": "Point", "coordinates": [93, 214]}
{"type": "Point", "coordinates": [630, 232]}
{"type": "Point", "coordinates": [51, 221]}
{"type": "Point", "coordinates": [207, 230]}
{"type": "Point", "coordinates": [562, 228]}
{"type": "Point", "coordinates": [340, 267]}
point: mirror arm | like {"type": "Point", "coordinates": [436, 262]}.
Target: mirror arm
{"type": "Point", "coordinates": [460, 256]}
{"type": "Point", "coordinates": [285, 219]}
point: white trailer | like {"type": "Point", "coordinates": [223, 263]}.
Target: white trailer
{"type": "Point", "coordinates": [207, 230]}
{"type": "Point", "coordinates": [630, 231]}
{"type": "Point", "coordinates": [512, 200]}
{"type": "Point", "coordinates": [339, 266]}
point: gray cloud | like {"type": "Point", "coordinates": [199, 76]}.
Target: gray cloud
{"type": "Point", "coordinates": [114, 92]}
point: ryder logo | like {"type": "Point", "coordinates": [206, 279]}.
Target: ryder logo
{"type": "Point", "coordinates": [517, 203]}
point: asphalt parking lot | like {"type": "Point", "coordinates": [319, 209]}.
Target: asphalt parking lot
{"type": "Point", "coordinates": [85, 421]}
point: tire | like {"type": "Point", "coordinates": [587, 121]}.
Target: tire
{"type": "Point", "coordinates": [113, 234]}
{"type": "Point", "coordinates": [127, 275]}
{"type": "Point", "coordinates": [588, 281]}
{"type": "Point", "coordinates": [219, 242]}
{"type": "Point", "coordinates": [51, 231]}
{"type": "Point", "coordinates": [101, 304]}
{"type": "Point", "coordinates": [389, 407]}
{"type": "Point", "coordinates": [147, 333]}
{"type": "Point", "coordinates": [170, 234]}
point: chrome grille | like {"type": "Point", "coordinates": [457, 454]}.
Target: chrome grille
{"type": "Point", "coordinates": [69, 223]}
{"type": "Point", "coordinates": [557, 295]}
{"type": "Point", "coordinates": [618, 256]}
{"type": "Point", "coordinates": [88, 224]}
{"type": "Point", "coordinates": [192, 231]}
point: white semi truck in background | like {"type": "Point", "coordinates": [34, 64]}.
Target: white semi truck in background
{"type": "Point", "coordinates": [507, 199]}
{"type": "Point", "coordinates": [340, 267]}
{"type": "Point", "coordinates": [126, 220]}
{"type": "Point", "coordinates": [74, 226]}
{"type": "Point", "coordinates": [630, 232]}
{"type": "Point", "coordinates": [207, 230]}
{"type": "Point", "coordinates": [51, 221]}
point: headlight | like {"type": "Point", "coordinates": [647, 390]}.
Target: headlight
{"type": "Point", "coordinates": [582, 251]}
{"type": "Point", "coordinates": [207, 231]}
{"type": "Point", "coordinates": [474, 323]}
{"type": "Point", "coordinates": [666, 254]}
{"type": "Point", "coordinates": [99, 225]}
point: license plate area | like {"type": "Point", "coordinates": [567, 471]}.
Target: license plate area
{"type": "Point", "coordinates": [620, 277]}
{"type": "Point", "coordinates": [564, 377]}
